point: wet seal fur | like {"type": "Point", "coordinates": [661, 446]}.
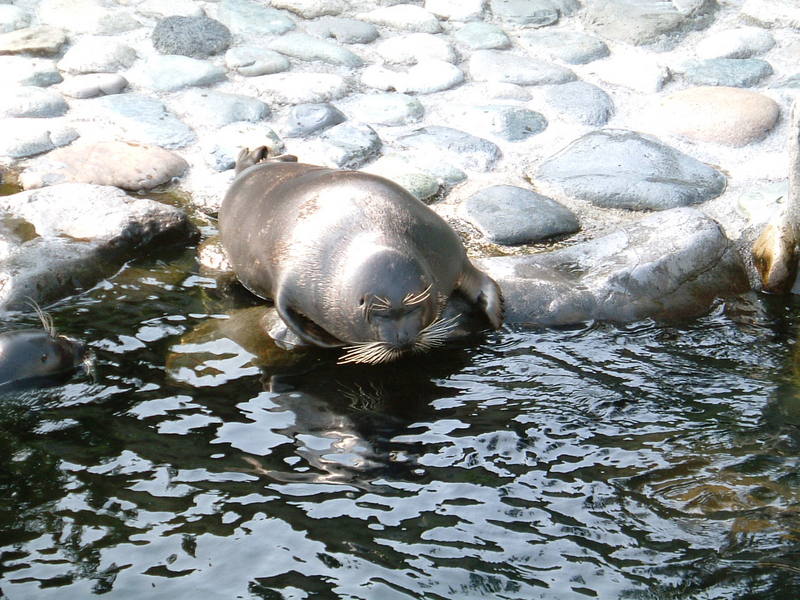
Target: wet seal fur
{"type": "Point", "coordinates": [39, 356]}
{"type": "Point", "coordinates": [350, 259]}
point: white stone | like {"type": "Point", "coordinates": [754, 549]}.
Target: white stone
{"type": "Point", "coordinates": [311, 9]}
{"type": "Point", "coordinates": [404, 16]}
{"type": "Point", "coordinates": [86, 16]}
{"type": "Point", "coordinates": [425, 77]}
{"type": "Point", "coordinates": [639, 73]}
{"type": "Point", "coordinates": [735, 43]}
{"type": "Point", "coordinates": [97, 55]}
{"type": "Point", "coordinates": [12, 18]}
{"type": "Point", "coordinates": [413, 47]}
{"type": "Point", "coordinates": [456, 10]}
{"type": "Point", "coordinates": [300, 88]}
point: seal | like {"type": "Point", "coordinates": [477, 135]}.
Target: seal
{"type": "Point", "coordinates": [350, 259]}
{"type": "Point", "coordinates": [29, 356]}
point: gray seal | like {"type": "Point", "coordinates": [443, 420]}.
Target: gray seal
{"type": "Point", "coordinates": [350, 259]}
{"type": "Point", "coordinates": [29, 356]}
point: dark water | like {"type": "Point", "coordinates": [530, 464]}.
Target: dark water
{"type": "Point", "coordinates": [643, 461]}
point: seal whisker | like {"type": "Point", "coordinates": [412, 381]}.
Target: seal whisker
{"type": "Point", "coordinates": [411, 298]}
{"type": "Point", "coordinates": [46, 319]}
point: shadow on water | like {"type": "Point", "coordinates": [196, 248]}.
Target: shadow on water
{"type": "Point", "coordinates": [640, 461]}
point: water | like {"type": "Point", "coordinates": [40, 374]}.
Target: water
{"type": "Point", "coordinates": [641, 461]}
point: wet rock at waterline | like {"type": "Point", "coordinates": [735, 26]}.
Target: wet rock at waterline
{"type": "Point", "coordinates": [510, 215]}
{"type": "Point", "coordinates": [197, 37]}
{"type": "Point", "coordinates": [625, 169]}
{"type": "Point", "coordinates": [670, 265]}
{"type": "Point", "coordinates": [110, 225]}
{"type": "Point", "coordinates": [127, 166]}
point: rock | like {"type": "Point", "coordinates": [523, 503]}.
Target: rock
{"type": "Point", "coordinates": [93, 85]}
{"type": "Point", "coordinates": [216, 109]}
{"type": "Point", "coordinates": [735, 43]}
{"type": "Point", "coordinates": [351, 144]}
{"type": "Point", "coordinates": [454, 146]}
{"type": "Point", "coordinates": [157, 9]}
{"type": "Point", "coordinates": [18, 70]}
{"type": "Point", "coordinates": [482, 36]}
{"type": "Point", "coordinates": [404, 16]}
{"type": "Point", "coordinates": [308, 47]}
{"type": "Point", "coordinates": [582, 102]}
{"type": "Point", "coordinates": [456, 10]}
{"type": "Point", "coordinates": [426, 77]}
{"type": "Point", "coordinates": [569, 46]}
{"type": "Point", "coordinates": [532, 13]}
{"type": "Point", "coordinates": [638, 23]}
{"type": "Point", "coordinates": [86, 16]}
{"type": "Point", "coordinates": [636, 72]}
{"type": "Point", "coordinates": [624, 169]}
{"type": "Point", "coordinates": [127, 166]}
{"type": "Point", "coordinates": [512, 123]}
{"type": "Point", "coordinates": [13, 18]}
{"type": "Point", "coordinates": [773, 13]}
{"type": "Point", "coordinates": [399, 169]}
{"type": "Point", "coordinates": [670, 265]}
{"type": "Point", "coordinates": [732, 72]}
{"type": "Point", "coordinates": [793, 81]}
{"type": "Point", "coordinates": [110, 225]}
{"type": "Point", "coordinates": [246, 17]}
{"type": "Point", "coordinates": [385, 109]}
{"type": "Point", "coordinates": [27, 137]}
{"type": "Point", "coordinates": [344, 31]}
{"type": "Point", "coordinates": [300, 88]}
{"type": "Point", "coordinates": [144, 119]}
{"type": "Point", "coordinates": [729, 116]}
{"type": "Point", "coordinates": [33, 40]}
{"type": "Point", "coordinates": [496, 65]}
{"type": "Point", "coordinates": [198, 37]}
{"type": "Point", "coordinates": [311, 9]}
{"type": "Point", "coordinates": [223, 148]}
{"type": "Point", "coordinates": [173, 72]}
{"type": "Point", "coordinates": [306, 119]}
{"type": "Point", "coordinates": [252, 61]}
{"type": "Point", "coordinates": [30, 101]}
{"type": "Point", "coordinates": [511, 215]}
{"type": "Point", "coordinates": [414, 47]}
{"type": "Point", "coordinates": [97, 55]}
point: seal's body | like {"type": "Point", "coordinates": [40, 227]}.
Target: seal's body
{"type": "Point", "coordinates": [349, 258]}
{"type": "Point", "coordinates": [28, 355]}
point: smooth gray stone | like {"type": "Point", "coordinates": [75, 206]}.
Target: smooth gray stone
{"type": "Point", "coordinates": [511, 215]}
{"type": "Point", "coordinates": [645, 22]}
{"type": "Point", "coordinates": [344, 31]}
{"type": "Point", "coordinates": [112, 227]}
{"type": "Point", "coordinates": [453, 146]}
{"type": "Point", "coordinates": [19, 70]}
{"type": "Point", "coordinates": [198, 37]}
{"type": "Point", "coordinates": [496, 65]}
{"type": "Point", "coordinates": [512, 123]}
{"type": "Point", "coordinates": [351, 144]}
{"type": "Point", "coordinates": [246, 17]}
{"type": "Point", "coordinates": [532, 13]}
{"type": "Point", "coordinates": [730, 72]}
{"type": "Point", "coordinates": [252, 61]}
{"type": "Point", "coordinates": [31, 101]}
{"type": "Point", "coordinates": [482, 36]}
{"type": "Point", "coordinates": [145, 120]}
{"type": "Point", "coordinates": [217, 109]}
{"type": "Point", "coordinates": [305, 119]}
{"type": "Point", "coordinates": [174, 72]}
{"type": "Point", "coordinates": [13, 18]}
{"type": "Point", "coordinates": [385, 109]}
{"type": "Point", "coordinates": [616, 168]}
{"type": "Point", "coordinates": [793, 81]}
{"type": "Point", "coordinates": [93, 84]}
{"type": "Point", "coordinates": [307, 47]}
{"type": "Point", "coordinates": [28, 137]}
{"type": "Point", "coordinates": [91, 54]}
{"type": "Point", "coordinates": [584, 102]}
{"type": "Point", "coordinates": [743, 42]}
{"type": "Point", "coordinates": [570, 46]}
{"type": "Point", "coordinates": [670, 265]}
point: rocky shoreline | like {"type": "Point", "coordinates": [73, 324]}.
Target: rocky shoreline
{"type": "Point", "coordinates": [602, 160]}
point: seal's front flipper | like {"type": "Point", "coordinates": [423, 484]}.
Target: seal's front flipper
{"type": "Point", "coordinates": [304, 328]}
{"type": "Point", "coordinates": [481, 289]}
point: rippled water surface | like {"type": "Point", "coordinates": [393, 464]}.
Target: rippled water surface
{"type": "Point", "coordinates": [644, 461]}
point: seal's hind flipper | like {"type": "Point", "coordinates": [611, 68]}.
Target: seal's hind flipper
{"type": "Point", "coordinates": [247, 158]}
{"type": "Point", "coordinates": [481, 289]}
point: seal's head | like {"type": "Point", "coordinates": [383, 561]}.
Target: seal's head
{"type": "Point", "coordinates": [393, 308]}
